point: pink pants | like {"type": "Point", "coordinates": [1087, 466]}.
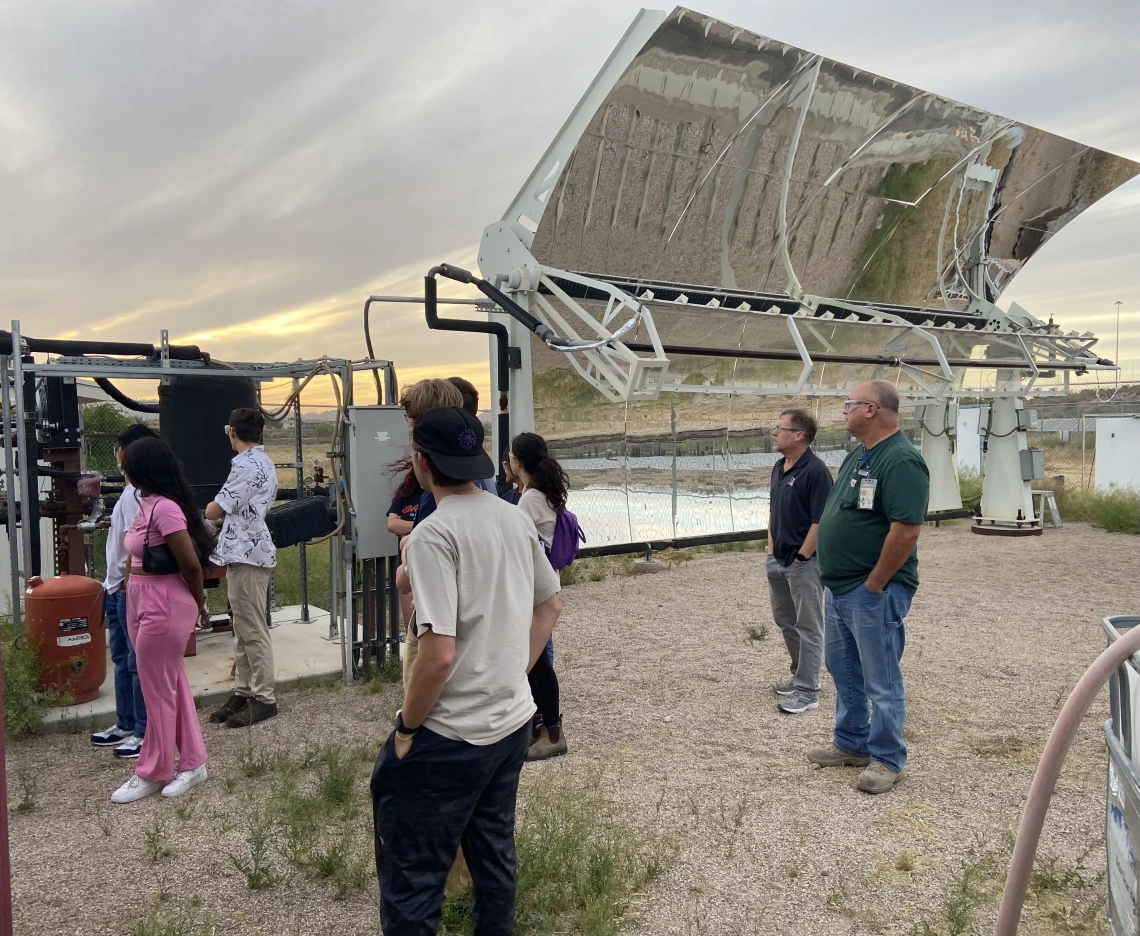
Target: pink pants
{"type": "Point", "coordinates": [161, 614]}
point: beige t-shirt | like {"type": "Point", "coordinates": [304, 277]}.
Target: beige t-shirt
{"type": "Point", "coordinates": [477, 571]}
{"type": "Point", "coordinates": [535, 505]}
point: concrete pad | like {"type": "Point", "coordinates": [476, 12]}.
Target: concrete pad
{"type": "Point", "coordinates": [301, 651]}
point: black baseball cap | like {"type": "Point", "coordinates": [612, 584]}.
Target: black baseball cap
{"type": "Point", "coordinates": [454, 440]}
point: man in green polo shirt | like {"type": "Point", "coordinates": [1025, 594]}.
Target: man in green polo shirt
{"type": "Point", "coordinates": [868, 563]}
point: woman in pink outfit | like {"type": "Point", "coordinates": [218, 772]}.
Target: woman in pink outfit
{"type": "Point", "coordinates": [164, 600]}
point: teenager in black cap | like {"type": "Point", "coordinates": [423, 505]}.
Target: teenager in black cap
{"type": "Point", "coordinates": [486, 603]}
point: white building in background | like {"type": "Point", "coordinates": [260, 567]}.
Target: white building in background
{"type": "Point", "coordinates": [1117, 453]}
{"type": "Point", "coordinates": [971, 419]}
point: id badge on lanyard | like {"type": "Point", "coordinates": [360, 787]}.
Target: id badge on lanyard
{"type": "Point", "coordinates": [867, 493]}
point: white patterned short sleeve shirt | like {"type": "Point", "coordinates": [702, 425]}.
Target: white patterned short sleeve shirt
{"type": "Point", "coordinates": [246, 497]}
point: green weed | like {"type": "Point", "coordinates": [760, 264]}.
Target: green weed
{"type": "Point", "coordinates": [756, 633]}
{"type": "Point", "coordinates": [24, 703]}
{"type": "Point", "coordinates": [1113, 511]}
{"type": "Point", "coordinates": [578, 869]}
{"type": "Point", "coordinates": [173, 919]}
{"type": "Point", "coordinates": [339, 780]}
{"type": "Point", "coordinates": [339, 868]}
{"type": "Point", "coordinates": [256, 870]}
{"type": "Point", "coordinates": [155, 841]}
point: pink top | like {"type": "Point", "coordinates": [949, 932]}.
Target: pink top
{"type": "Point", "coordinates": [163, 517]}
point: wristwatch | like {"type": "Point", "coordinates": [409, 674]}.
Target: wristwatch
{"type": "Point", "coordinates": [802, 558]}
{"type": "Point", "coordinates": [404, 729]}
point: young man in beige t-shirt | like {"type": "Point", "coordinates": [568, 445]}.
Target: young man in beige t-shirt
{"type": "Point", "coordinates": [486, 602]}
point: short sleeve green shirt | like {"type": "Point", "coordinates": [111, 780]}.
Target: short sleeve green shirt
{"type": "Point", "coordinates": [850, 538]}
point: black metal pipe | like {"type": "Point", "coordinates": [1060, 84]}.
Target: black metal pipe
{"type": "Point", "coordinates": [498, 330]}
{"type": "Point", "coordinates": [119, 348]}
{"type": "Point", "coordinates": [122, 399]}
{"type": "Point", "coordinates": [825, 357]}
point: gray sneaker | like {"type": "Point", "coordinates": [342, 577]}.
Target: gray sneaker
{"type": "Point", "coordinates": [799, 701]}
{"type": "Point", "coordinates": [784, 688]}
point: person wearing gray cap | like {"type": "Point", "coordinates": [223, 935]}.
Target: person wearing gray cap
{"type": "Point", "coordinates": [486, 601]}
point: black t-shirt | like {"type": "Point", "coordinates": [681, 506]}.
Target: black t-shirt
{"type": "Point", "coordinates": [407, 508]}
{"type": "Point", "coordinates": [796, 501]}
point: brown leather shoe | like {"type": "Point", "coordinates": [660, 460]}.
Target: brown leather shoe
{"type": "Point", "coordinates": [831, 756]}
{"type": "Point", "coordinates": [878, 778]}
{"type": "Point", "coordinates": [544, 748]}
{"type": "Point", "coordinates": [256, 711]}
{"type": "Point", "coordinates": [234, 704]}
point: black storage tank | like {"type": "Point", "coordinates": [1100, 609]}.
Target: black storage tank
{"type": "Point", "coordinates": [193, 413]}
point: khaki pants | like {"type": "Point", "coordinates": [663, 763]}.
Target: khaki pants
{"type": "Point", "coordinates": [253, 650]}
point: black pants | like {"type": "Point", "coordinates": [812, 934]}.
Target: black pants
{"type": "Point", "coordinates": [444, 793]}
{"type": "Point", "coordinates": [544, 688]}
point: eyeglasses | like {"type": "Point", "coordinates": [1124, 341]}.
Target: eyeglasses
{"type": "Point", "coordinates": [849, 405]}
{"type": "Point", "coordinates": [776, 429]}
{"type": "Point", "coordinates": [118, 448]}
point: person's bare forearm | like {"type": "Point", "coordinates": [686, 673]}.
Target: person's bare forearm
{"type": "Point", "coordinates": [896, 550]}
{"type": "Point", "coordinates": [215, 511]}
{"type": "Point", "coordinates": [398, 526]}
{"type": "Point", "coordinates": [807, 550]}
{"type": "Point", "coordinates": [542, 626]}
{"type": "Point", "coordinates": [429, 673]}
{"type": "Point", "coordinates": [403, 583]}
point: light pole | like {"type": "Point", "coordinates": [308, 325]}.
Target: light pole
{"type": "Point", "coordinates": [1117, 362]}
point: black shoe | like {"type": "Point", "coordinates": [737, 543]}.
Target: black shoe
{"type": "Point", "coordinates": [256, 711]}
{"type": "Point", "coordinates": [234, 704]}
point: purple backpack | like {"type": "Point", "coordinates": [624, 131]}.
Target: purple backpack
{"type": "Point", "coordinates": [564, 545]}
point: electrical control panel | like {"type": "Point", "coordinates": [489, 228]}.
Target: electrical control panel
{"type": "Point", "coordinates": [377, 441]}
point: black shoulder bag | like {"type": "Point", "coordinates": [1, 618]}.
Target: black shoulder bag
{"type": "Point", "coordinates": [159, 560]}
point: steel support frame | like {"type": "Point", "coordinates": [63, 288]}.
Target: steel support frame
{"type": "Point", "coordinates": [343, 610]}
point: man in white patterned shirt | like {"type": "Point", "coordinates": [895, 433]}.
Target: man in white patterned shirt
{"type": "Point", "coordinates": [247, 551]}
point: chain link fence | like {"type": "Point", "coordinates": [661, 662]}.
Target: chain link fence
{"type": "Point", "coordinates": [682, 465]}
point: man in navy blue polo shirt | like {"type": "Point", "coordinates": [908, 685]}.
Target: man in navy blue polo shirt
{"type": "Point", "coordinates": [798, 493]}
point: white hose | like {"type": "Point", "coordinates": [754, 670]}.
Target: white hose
{"type": "Point", "coordinates": [1044, 781]}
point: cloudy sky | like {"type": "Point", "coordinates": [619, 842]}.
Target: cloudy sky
{"type": "Point", "coordinates": [246, 173]}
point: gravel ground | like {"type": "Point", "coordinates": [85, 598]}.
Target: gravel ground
{"type": "Point", "coordinates": [666, 696]}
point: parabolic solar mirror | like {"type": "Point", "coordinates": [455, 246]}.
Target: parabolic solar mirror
{"type": "Point", "coordinates": [726, 160]}
{"type": "Point", "coordinates": [892, 194]}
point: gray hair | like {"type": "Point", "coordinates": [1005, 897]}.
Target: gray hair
{"type": "Point", "coordinates": [885, 394]}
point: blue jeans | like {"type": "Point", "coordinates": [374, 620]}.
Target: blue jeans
{"type": "Point", "coordinates": [864, 643]}
{"type": "Point", "coordinates": [130, 711]}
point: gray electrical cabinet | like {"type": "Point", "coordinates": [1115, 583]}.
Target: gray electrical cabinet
{"type": "Point", "coordinates": [377, 439]}
{"type": "Point", "coordinates": [1032, 464]}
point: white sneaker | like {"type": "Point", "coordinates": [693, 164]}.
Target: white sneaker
{"type": "Point", "coordinates": [136, 788]}
{"type": "Point", "coordinates": [129, 749]}
{"type": "Point", "coordinates": [110, 737]}
{"type": "Point", "coordinates": [184, 780]}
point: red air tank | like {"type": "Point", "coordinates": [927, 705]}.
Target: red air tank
{"type": "Point", "coordinates": [65, 630]}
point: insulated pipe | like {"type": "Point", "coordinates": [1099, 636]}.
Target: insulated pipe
{"type": "Point", "coordinates": [1044, 781]}
{"type": "Point", "coordinates": [499, 331]}
{"type": "Point", "coordinates": [122, 399]}
{"type": "Point", "coordinates": [79, 348]}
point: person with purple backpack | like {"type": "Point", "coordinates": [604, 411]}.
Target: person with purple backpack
{"type": "Point", "coordinates": [543, 487]}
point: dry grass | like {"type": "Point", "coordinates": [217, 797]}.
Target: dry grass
{"type": "Point", "coordinates": [674, 737]}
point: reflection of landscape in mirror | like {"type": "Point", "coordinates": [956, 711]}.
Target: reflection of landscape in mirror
{"type": "Point", "coordinates": [893, 195]}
